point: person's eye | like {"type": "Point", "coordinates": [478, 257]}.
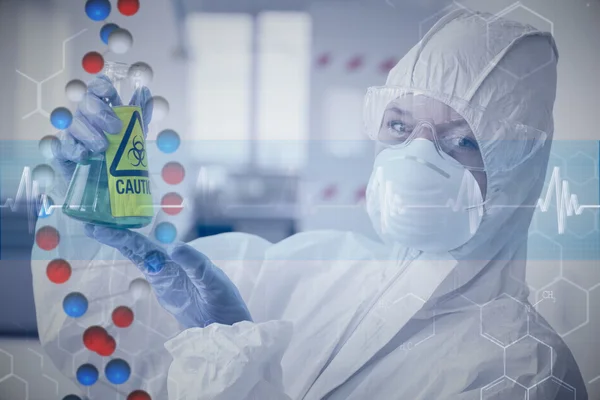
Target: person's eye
{"type": "Point", "coordinates": [399, 127]}
{"type": "Point", "coordinates": [457, 143]}
{"type": "Point", "coordinates": [467, 143]}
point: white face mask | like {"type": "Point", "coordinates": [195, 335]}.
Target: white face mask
{"type": "Point", "coordinates": [420, 200]}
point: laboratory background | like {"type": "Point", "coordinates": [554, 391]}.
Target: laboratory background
{"type": "Point", "coordinates": [258, 128]}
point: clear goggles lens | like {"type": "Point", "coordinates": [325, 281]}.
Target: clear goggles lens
{"type": "Point", "coordinates": [394, 117]}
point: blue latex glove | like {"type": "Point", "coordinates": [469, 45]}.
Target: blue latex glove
{"type": "Point", "coordinates": [93, 117]}
{"type": "Point", "coordinates": [187, 284]}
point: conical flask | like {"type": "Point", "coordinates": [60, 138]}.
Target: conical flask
{"type": "Point", "coordinates": [113, 188]}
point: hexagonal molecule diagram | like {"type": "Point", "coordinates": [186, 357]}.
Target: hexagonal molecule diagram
{"type": "Point", "coordinates": [12, 386]}
{"type": "Point", "coordinates": [581, 168]}
{"type": "Point", "coordinates": [504, 388]}
{"type": "Point", "coordinates": [564, 305]}
{"type": "Point", "coordinates": [552, 388]}
{"type": "Point", "coordinates": [497, 319]}
{"type": "Point", "coordinates": [6, 364]}
{"type": "Point", "coordinates": [520, 365]}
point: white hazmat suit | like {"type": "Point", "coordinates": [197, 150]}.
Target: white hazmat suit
{"type": "Point", "coordinates": [338, 316]}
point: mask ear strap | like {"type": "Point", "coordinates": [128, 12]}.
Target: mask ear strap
{"type": "Point", "coordinates": [478, 205]}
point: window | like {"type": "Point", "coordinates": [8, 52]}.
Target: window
{"type": "Point", "coordinates": [220, 76]}
{"type": "Point", "coordinates": [249, 84]}
{"type": "Point", "coordinates": [283, 89]}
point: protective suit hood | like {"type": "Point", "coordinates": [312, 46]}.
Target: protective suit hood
{"type": "Point", "coordinates": [490, 69]}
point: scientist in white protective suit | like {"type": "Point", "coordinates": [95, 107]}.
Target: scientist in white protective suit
{"type": "Point", "coordinates": [437, 310]}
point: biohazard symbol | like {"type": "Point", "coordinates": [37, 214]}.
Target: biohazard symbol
{"type": "Point", "coordinates": [135, 156]}
{"type": "Point", "coordinates": [137, 153]}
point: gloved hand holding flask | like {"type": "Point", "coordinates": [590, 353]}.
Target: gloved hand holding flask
{"type": "Point", "coordinates": [105, 160]}
{"type": "Point", "coordinates": [103, 153]}
{"type": "Point", "coordinates": [186, 283]}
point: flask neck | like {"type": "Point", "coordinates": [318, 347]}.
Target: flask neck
{"type": "Point", "coordinates": [95, 157]}
{"type": "Point", "coordinates": [117, 73]}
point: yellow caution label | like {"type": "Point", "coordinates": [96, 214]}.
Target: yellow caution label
{"type": "Point", "coordinates": [127, 167]}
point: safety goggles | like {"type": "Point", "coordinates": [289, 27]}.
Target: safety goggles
{"type": "Point", "coordinates": [395, 116]}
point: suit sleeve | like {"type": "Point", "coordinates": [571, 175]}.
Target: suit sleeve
{"type": "Point", "coordinates": [219, 362]}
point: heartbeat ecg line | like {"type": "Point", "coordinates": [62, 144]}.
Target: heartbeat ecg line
{"type": "Point", "coordinates": [29, 196]}
{"type": "Point", "coordinates": [29, 190]}
{"type": "Point", "coordinates": [567, 203]}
